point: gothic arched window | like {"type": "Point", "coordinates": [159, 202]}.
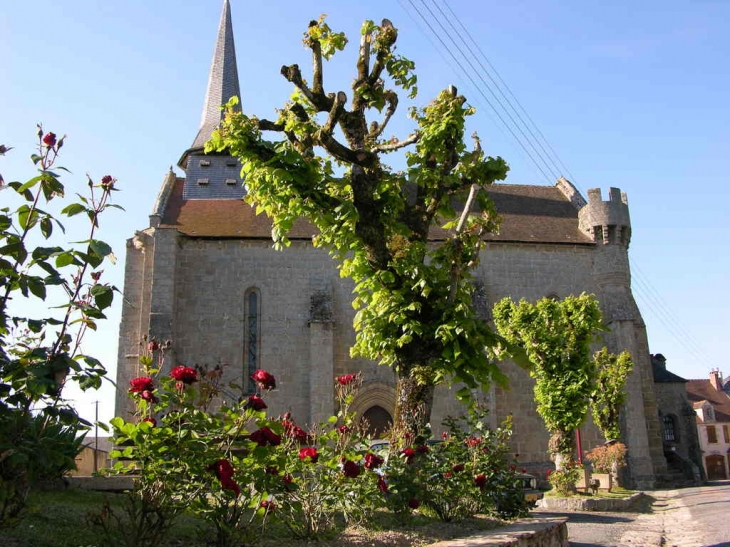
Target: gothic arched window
{"type": "Point", "coordinates": [252, 334]}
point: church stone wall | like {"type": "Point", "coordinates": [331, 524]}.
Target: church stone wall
{"type": "Point", "coordinates": [211, 276]}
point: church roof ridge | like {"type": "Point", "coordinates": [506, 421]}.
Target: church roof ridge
{"type": "Point", "coordinates": [222, 82]}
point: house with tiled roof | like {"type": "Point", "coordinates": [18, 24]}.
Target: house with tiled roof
{"type": "Point", "coordinates": [204, 275]}
{"type": "Point", "coordinates": [712, 407]}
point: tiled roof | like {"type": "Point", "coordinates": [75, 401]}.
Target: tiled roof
{"type": "Point", "coordinates": [530, 214]}
{"type": "Point", "coordinates": [663, 376]}
{"type": "Point", "coordinates": [702, 390]}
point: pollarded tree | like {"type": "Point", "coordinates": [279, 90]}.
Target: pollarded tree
{"type": "Point", "coordinates": [609, 394]}
{"type": "Point", "coordinates": [414, 299]}
{"type": "Point", "coordinates": [556, 335]}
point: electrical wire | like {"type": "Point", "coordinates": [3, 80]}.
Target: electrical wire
{"type": "Point", "coordinates": [551, 161]}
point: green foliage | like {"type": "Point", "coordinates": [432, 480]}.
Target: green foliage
{"type": "Point", "coordinates": [38, 355]}
{"type": "Point", "coordinates": [607, 457]}
{"type": "Point", "coordinates": [556, 335]}
{"type": "Point", "coordinates": [414, 300]}
{"type": "Point", "coordinates": [239, 471]}
{"type": "Point", "coordinates": [467, 473]}
{"type": "Point", "coordinates": [564, 480]}
{"type": "Point", "coordinates": [609, 394]}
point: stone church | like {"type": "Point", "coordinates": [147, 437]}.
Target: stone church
{"type": "Point", "coordinates": [204, 275]}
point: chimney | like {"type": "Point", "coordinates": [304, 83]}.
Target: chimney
{"type": "Point", "coordinates": [716, 379]}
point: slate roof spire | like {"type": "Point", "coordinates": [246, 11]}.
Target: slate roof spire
{"type": "Point", "coordinates": [223, 79]}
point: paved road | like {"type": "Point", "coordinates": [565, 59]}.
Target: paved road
{"type": "Point", "coordinates": [690, 517]}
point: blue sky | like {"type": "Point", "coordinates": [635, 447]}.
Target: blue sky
{"type": "Point", "coordinates": [629, 94]}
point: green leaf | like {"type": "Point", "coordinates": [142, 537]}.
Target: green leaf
{"type": "Point", "coordinates": [37, 287]}
{"type": "Point", "coordinates": [73, 209]}
{"type": "Point", "coordinates": [100, 248]}
{"type": "Point", "coordinates": [66, 258]}
{"type": "Point", "coordinates": [30, 184]}
{"type": "Point", "coordinates": [103, 296]}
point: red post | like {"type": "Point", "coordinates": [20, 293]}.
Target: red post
{"type": "Point", "coordinates": [579, 446]}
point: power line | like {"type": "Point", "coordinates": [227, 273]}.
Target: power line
{"type": "Point", "coordinates": [644, 288]}
{"type": "Point", "coordinates": [530, 142]}
{"type": "Point", "coordinates": [466, 73]}
{"type": "Point", "coordinates": [509, 91]}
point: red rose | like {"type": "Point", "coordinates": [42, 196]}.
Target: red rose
{"type": "Point", "coordinates": [382, 485]}
{"type": "Point", "coordinates": [458, 468]}
{"type": "Point", "coordinates": [256, 402]}
{"type": "Point", "coordinates": [268, 505]}
{"type": "Point", "coordinates": [49, 139]}
{"type": "Point", "coordinates": [308, 452]}
{"type": "Point", "coordinates": [343, 429]}
{"type": "Point", "coordinates": [513, 468]}
{"type": "Point", "coordinates": [445, 435]}
{"type": "Point", "coordinates": [265, 436]}
{"type": "Point", "coordinates": [473, 441]}
{"type": "Point", "coordinates": [186, 375]}
{"type": "Point", "coordinates": [413, 503]}
{"type": "Point", "coordinates": [423, 449]}
{"type": "Point", "coordinates": [409, 453]}
{"type": "Point", "coordinates": [107, 182]}
{"type": "Point", "coordinates": [153, 345]}
{"type": "Point", "coordinates": [148, 396]}
{"type": "Point", "coordinates": [550, 472]}
{"type": "Point", "coordinates": [295, 432]}
{"type": "Point", "coordinates": [372, 461]}
{"type": "Point", "coordinates": [143, 383]}
{"type": "Point", "coordinates": [150, 421]}
{"type": "Point", "coordinates": [346, 379]}
{"type": "Point", "coordinates": [288, 479]}
{"type": "Point", "coordinates": [224, 471]}
{"type": "Point", "coordinates": [480, 480]}
{"type": "Point", "coordinates": [264, 379]}
{"type": "Point", "coordinates": [350, 469]}
{"type": "Point", "coordinates": [524, 470]}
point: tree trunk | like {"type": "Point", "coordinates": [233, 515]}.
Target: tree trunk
{"type": "Point", "coordinates": [413, 404]}
{"type": "Point", "coordinates": [561, 448]}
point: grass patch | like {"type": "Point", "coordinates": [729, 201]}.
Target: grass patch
{"type": "Point", "coordinates": [615, 493]}
{"type": "Point", "coordinates": [59, 519]}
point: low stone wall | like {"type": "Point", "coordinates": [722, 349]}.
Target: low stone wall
{"type": "Point", "coordinates": [537, 532]}
{"type": "Point", "coordinates": [104, 484]}
{"type": "Point", "coordinates": [578, 503]}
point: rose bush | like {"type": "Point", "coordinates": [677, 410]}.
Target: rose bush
{"type": "Point", "coordinates": [239, 470]}
{"type": "Point", "coordinates": [468, 472]}
{"type": "Point", "coordinates": [51, 296]}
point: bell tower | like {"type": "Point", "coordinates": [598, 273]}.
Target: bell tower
{"type": "Point", "coordinates": [215, 176]}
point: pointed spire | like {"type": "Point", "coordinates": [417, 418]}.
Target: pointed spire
{"type": "Point", "coordinates": [223, 79]}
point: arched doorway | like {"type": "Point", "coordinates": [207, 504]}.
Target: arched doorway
{"type": "Point", "coordinates": [378, 421]}
{"type": "Point", "coordinates": [715, 467]}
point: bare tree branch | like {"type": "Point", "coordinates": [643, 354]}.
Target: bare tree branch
{"type": "Point", "coordinates": [388, 36]}
{"type": "Point", "coordinates": [390, 147]}
{"type": "Point", "coordinates": [335, 112]}
{"type": "Point", "coordinates": [267, 125]}
{"type": "Point", "coordinates": [321, 102]}
{"type": "Point", "coordinates": [377, 129]}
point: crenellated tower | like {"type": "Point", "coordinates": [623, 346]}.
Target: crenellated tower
{"type": "Point", "coordinates": [609, 225]}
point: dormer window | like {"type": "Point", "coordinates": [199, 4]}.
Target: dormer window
{"type": "Point", "coordinates": [203, 182]}
{"type": "Point", "coordinates": [231, 163]}
{"type": "Point", "coordinates": [231, 182]}
{"type": "Point", "coordinates": [204, 163]}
